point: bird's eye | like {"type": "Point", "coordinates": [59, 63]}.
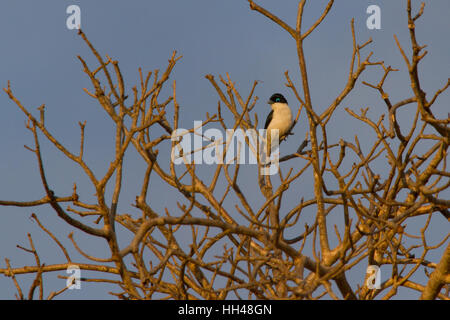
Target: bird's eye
{"type": "Point", "coordinates": [277, 100]}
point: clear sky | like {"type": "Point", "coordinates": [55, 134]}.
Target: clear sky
{"type": "Point", "coordinates": [38, 55]}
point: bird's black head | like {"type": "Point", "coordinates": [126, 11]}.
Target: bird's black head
{"type": "Point", "coordinates": [277, 97]}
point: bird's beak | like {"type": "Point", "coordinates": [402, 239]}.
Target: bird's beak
{"type": "Point", "coordinates": [269, 102]}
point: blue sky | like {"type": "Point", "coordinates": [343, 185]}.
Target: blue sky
{"type": "Point", "coordinates": [214, 37]}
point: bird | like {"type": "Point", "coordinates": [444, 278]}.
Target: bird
{"type": "Point", "coordinates": [280, 117]}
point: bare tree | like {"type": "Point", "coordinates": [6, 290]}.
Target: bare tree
{"type": "Point", "coordinates": [206, 249]}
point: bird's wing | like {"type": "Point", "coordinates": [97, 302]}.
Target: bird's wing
{"type": "Point", "coordinates": [269, 118]}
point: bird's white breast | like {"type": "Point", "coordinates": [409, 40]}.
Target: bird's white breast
{"type": "Point", "coordinates": [281, 119]}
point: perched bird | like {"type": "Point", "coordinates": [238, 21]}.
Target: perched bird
{"type": "Point", "coordinates": [280, 117]}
